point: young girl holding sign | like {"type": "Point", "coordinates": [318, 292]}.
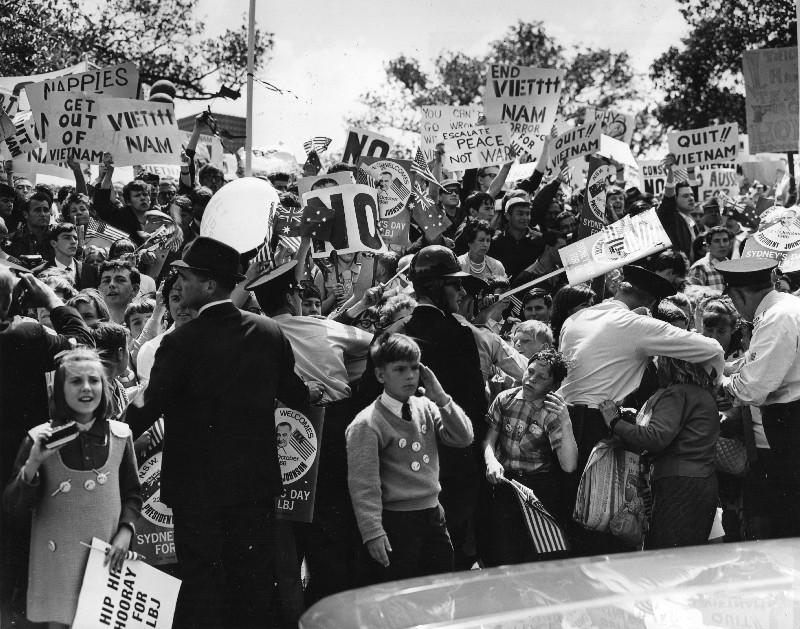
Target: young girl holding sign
{"type": "Point", "coordinates": [79, 486]}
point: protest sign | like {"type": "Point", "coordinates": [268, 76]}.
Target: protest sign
{"type": "Point", "coordinates": [33, 163]}
{"type": "Point", "coordinates": [614, 124]}
{"type": "Point", "coordinates": [155, 536]}
{"type": "Point", "coordinates": [12, 88]}
{"type": "Point", "coordinates": [140, 132]}
{"type": "Point", "coordinates": [23, 137]}
{"type": "Point", "coordinates": [209, 150]}
{"type": "Point", "coordinates": [71, 123]}
{"type": "Point", "coordinates": [778, 238]}
{"type": "Point", "coordinates": [395, 231]}
{"type": "Point", "coordinates": [439, 118]}
{"type": "Point", "coordinates": [240, 213]}
{"type": "Point", "coordinates": [307, 184]}
{"type": "Point", "coordinates": [267, 162]}
{"type": "Point", "coordinates": [299, 437]}
{"type": "Point", "coordinates": [654, 176]}
{"type": "Point", "coordinates": [600, 175]}
{"type": "Point", "coordinates": [620, 243]}
{"type": "Point", "coordinates": [525, 97]}
{"type": "Point", "coordinates": [136, 597]}
{"type": "Point", "coordinates": [475, 147]}
{"type": "Point", "coordinates": [363, 143]}
{"type": "Point", "coordinates": [342, 219]}
{"type": "Point", "coordinates": [717, 144]}
{"type": "Point", "coordinates": [6, 125]}
{"type": "Point", "coordinates": [771, 103]}
{"type": "Point", "coordinates": [574, 144]}
{"type": "Point", "coordinates": [616, 150]}
{"type": "Point", "coordinates": [394, 185]}
{"type": "Point", "coordinates": [716, 178]}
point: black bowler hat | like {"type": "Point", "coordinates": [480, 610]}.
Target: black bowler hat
{"type": "Point", "coordinates": [648, 282]}
{"type": "Point", "coordinates": [212, 257]}
{"type": "Point", "coordinates": [747, 271]}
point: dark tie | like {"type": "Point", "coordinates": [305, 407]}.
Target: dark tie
{"type": "Point", "coordinates": [406, 414]}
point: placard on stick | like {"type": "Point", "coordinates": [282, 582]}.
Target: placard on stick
{"type": "Point", "coordinates": [436, 119]}
{"type": "Point", "coordinates": [717, 144]}
{"type": "Point", "coordinates": [476, 147]}
{"type": "Point", "coordinates": [299, 437]}
{"type": "Point", "coordinates": [364, 143]}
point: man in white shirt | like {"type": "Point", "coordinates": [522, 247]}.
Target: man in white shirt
{"type": "Point", "coordinates": [769, 377]}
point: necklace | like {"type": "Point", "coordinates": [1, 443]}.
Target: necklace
{"type": "Point", "coordinates": [477, 269]}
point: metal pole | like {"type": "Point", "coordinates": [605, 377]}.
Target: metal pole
{"type": "Point", "coordinates": [792, 183]}
{"type": "Point", "coordinates": [251, 39]}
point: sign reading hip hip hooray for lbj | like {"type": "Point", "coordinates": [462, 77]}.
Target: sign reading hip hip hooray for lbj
{"type": "Point", "coordinates": [717, 144]}
{"type": "Point", "coordinates": [299, 438]}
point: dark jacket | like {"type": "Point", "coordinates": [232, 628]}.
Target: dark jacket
{"type": "Point", "coordinates": [216, 380]}
{"type": "Point", "coordinates": [675, 226]}
{"type": "Point", "coordinates": [123, 218]}
{"type": "Point", "coordinates": [81, 279]}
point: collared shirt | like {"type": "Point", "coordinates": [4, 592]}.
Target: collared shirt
{"type": "Point", "coordinates": [71, 267]}
{"type": "Point", "coordinates": [607, 348]}
{"type": "Point", "coordinates": [704, 273]}
{"type": "Point", "coordinates": [528, 434]}
{"type": "Point", "coordinates": [770, 373]}
{"type": "Point", "coordinates": [213, 303]}
{"type": "Point", "coordinates": [494, 352]}
{"type": "Point", "coordinates": [395, 406]}
{"type": "Point", "coordinates": [326, 351]}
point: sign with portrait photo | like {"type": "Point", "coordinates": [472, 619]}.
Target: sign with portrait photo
{"type": "Point", "coordinates": [298, 436]}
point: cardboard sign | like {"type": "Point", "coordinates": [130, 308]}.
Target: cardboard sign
{"type": "Point", "coordinates": [437, 119]}
{"type": "Point", "coordinates": [614, 124]}
{"type": "Point", "coordinates": [618, 151]}
{"type": "Point", "coordinates": [299, 437]}
{"type": "Point", "coordinates": [141, 132]}
{"type": "Point", "coordinates": [363, 143]}
{"type": "Point", "coordinates": [600, 175]}
{"type": "Point", "coordinates": [574, 144]}
{"type": "Point", "coordinates": [778, 238]}
{"type": "Point", "coordinates": [717, 144]}
{"type": "Point", "coordinates": [476, 147]}
{"type": "Point", "coordinates": [12, 88]}
{"type": "Point", "coordinates": [525, 97]}
{"type": "Point", "coordinates": [72, 125]}
{"type": "Point", "coordinates": [33, 163]}
{"type": "Point", "coordinates": [394, 185]}
{"type": "Point", "coordinates": [714, 179]}
{"type": "Point", "coordinates": [209, 150]}
{"type": "Point", "coordinates": [395, 231]}
{"type": "Point", "coordinates": [345, 219]}
{"type": "Point", "coordinates": [23, 139]}
{"type": "Point", "coordinates": [155, 535]}
{"type": "Point", "coordinates": [307, 184]}
{"type": "Point", "coordinates": [654, 176]}
{"type": "Point", "coordinates": [137, 597]}
{"type": "Point", "coordinates": [771, 103]}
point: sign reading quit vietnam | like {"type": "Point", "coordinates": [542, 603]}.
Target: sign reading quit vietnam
{"type": "Point", "coordinates": [476, 147]}
{"type": "Point", "coordinates": [717, 144]}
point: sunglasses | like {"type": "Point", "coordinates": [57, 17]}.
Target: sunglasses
{"type": "Point", "coordinates": [452, 190]}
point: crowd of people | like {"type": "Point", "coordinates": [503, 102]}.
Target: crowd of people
{"type": "Point", "coordinates": [439, 385]}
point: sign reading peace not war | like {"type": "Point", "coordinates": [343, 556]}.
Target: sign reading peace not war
{"type": "Point", "coordinates": [476, 147]}
{"type": "Point", "coordinates": [525, 97]}
{"type": "Point", "coordinates": [363, 143]}
{"type": "Point", "coordinates": [614, 124]}
{"type": "Point", "coordinates": [439, 118]}
{"type": "Point", "coordinates": [717, 144]}
{"type": "Point", "coordinates": [344, 219]}
{"type": "Point", "coordinates": [575, 143]}
{"type": "Point", "coordinates": [299, 437]}
{"type": "Point", "coordinates": [771, 103]}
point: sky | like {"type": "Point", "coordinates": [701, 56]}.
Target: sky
{"type": "Point", "coordinates": [328, 53]}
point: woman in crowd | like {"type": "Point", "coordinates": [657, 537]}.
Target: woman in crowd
{"type": "Point", "coordinates": [478, 235]}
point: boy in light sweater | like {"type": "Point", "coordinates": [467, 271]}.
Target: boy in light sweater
{"type": "Point", "coordinates": [393, 464]}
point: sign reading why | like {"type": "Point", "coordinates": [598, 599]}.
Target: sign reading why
{"type": "Point", "coordinates": [575, 143]}
{"type": "Point", "coordinates": [525, 97]}
{"type": "Point", "coordinates": [614, 124]}
{"type": "Point", "coordinates": [299, 437]}
{"type": "Point", "coordinates": [136, 597]}
{"type": "Point", "coordinates": [771, 103]}
{"type": "Point", "coordinates": [437, 119]}
{"type": "Point", "coordinates": [475, 147]}
{"type": "Point", "coordinates": [362, 143]}
{"type": "Point", "coordinates": [716, 144]}
{"type": "Point", "coordinates": [155, 536]}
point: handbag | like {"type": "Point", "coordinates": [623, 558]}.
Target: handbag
{"type": "Point", "coordinates": [730, 456]}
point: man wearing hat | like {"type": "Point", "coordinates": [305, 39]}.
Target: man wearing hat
{"type": "Point", "coordinates": [216, 380]}
{"type": "Point", "coordinates": [769, 377]}
{"type": "Point", "coordinates": [450, 199]}
{"type": "Point", "coordinates": [449, 350]}
{"type": "Point", "coordinates": [518, 246]}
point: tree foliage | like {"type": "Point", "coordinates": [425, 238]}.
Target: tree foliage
{"type": "Point", "coordinates": [163, 38]}
{"type": "Point", "coordinates": [703, 78]}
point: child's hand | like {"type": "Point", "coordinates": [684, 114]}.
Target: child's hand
{"type": "Point", "coordinates": [433, 390]}
{"type": "Point", "coordinates": [119, 547]}
{"type": "Point", "coordinates": [609, 410]}
{"type": "Point", "coordinates": [379, 549]}
{"type": "Point", "coordinates": [38, 451]}
{"type": "Point", "coordinates": [555, 403]}
{"type": "Point", "coordinates": [494, 471]}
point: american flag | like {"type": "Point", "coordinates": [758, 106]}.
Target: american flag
{"type": "Point", "coordinates": [302, 445]}
{"type": "Point", "coordinates": [516, 307]}
{"type": "Point", "coordinates": [544, 531]}
{"type": "Point", "coordinates": [319, 144]}
{"type": "Point", "coordinates": [364, 178]}
{"type": "Point", "coordinates": [101, 230]}
{"type": "Point", "coordinates": [420, 167]}
{"type": "Point", "coordinates": [400, 190]}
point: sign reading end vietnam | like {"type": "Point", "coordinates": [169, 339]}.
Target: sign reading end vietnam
{"type": "Point", "coordinates": [476, 147]}
{"type": "Point", "coordinates": [717, 144]}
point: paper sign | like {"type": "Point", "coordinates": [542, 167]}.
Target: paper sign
{"type": "Point", "coordinates": [616, 245]}
{"type": "Point", "coordinates": [525, 97]}
{"type": "Point", "coordinates": [209, 150]}
{"type": "Point", "coordinates": [654, 176]}
{"type": "Point", "coordinates": [363, 143]}
{"type": "Point", "coordinates": [574, 144]}
{"type": "Point", "coordinates": [155, 535]}
{"type": "Point", "coordinates": [141, 132]}
{"type": "Point", "coordinates": [307, 184]}
{"type": "Point", "coordinates": [439, 118]}
{"type": "Point", "coordinates": [394, 184]}
{"type": "Point", "coordinates": [395, 231]}
{"type": "Point", "coordinates": [614, 124]}
{"type": "Point", "coordinates": [12, 88]}
{"type": "Point", "coordinates": [771, 103]}
{"type": "Point", "coordinates": [348, 218]}
{"type": "Point", "coordinates": [23, 140]}
{"type": "Point", "coordinates": [717, 144]}
{"type": "Point", "coordinates": [600, 175]}
{"type": "Point", "coordinates": [299, 437]}
{"type": "Point", "coordinates": [616, 150]}
{"type": "Point", "coordinates": [476, 147]}
{"type": "Point", "coordinates": [714, 179]}
{"type": "Point", "coordinates": [137, 597]}
{"type": "Point", "coordinates": [778, 238]}
{"type": "Point", "coordinates": [72, 124]}
{"type": "Point", "coordinates": [33, 163]}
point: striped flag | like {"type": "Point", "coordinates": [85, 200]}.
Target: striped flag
{"type": "Point", "coordinates": [516, 307]}
{"type": "Point", "coordinates": [420, 167]}
{"type": "Point", "coordinates": [102, 231]}
{"type": "Point", "coordinates": [364, 178]}
{"type": "Point", "coordinates": [302, 445]}
{"type": "Point", "coordinates": [400, 190]}
{"type": "Point", "coordinates": [544, 531]}
{"type": "Point", "coordinates": [318, 144]}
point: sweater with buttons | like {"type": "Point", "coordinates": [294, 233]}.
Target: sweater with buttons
{"type": "Point", "coordinates": [393, 463]}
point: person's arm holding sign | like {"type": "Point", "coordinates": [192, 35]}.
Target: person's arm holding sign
{"type": "Point", "coordinates": [494, 470]}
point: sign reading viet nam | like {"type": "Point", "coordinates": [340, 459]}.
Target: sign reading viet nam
{"type": "Point", "coordinates": [155, 535]}
{"type": "Point", "coordinates": [717, 144]}
{"type": "Point", "coordinates": [575, 143]}
{"type": "Point", "coordinates": [525, 97]}
{"type": "Point", "coordinates": [475, 147]}
{"type": "Point", "coordinates": [771, 103]}
{"type": "Point", "coordinates": [137, 597]}
{"type": "Point", "coordinates": [363, 143]}
{"type": "Point", "coordinates": [299, 437]}
{"type": "Point", "coordinates": [614, 124]}
{"type": "Point", "coordinates": [437, 119]}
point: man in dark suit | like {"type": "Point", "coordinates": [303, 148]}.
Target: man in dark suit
{"type": "Point", "coordinates": [63, 238]}
{"type": "Point", "coordinates": [27, 352]}
{"type": "Point", "coordinates": [675, 211]}
{"type": "Point", "coordinates": [216, 380]}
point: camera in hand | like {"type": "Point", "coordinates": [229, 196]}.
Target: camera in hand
{"type": "Point", "coordinates": [61, 435]}
{"type": "Point", "coordinates": [31, 261]}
